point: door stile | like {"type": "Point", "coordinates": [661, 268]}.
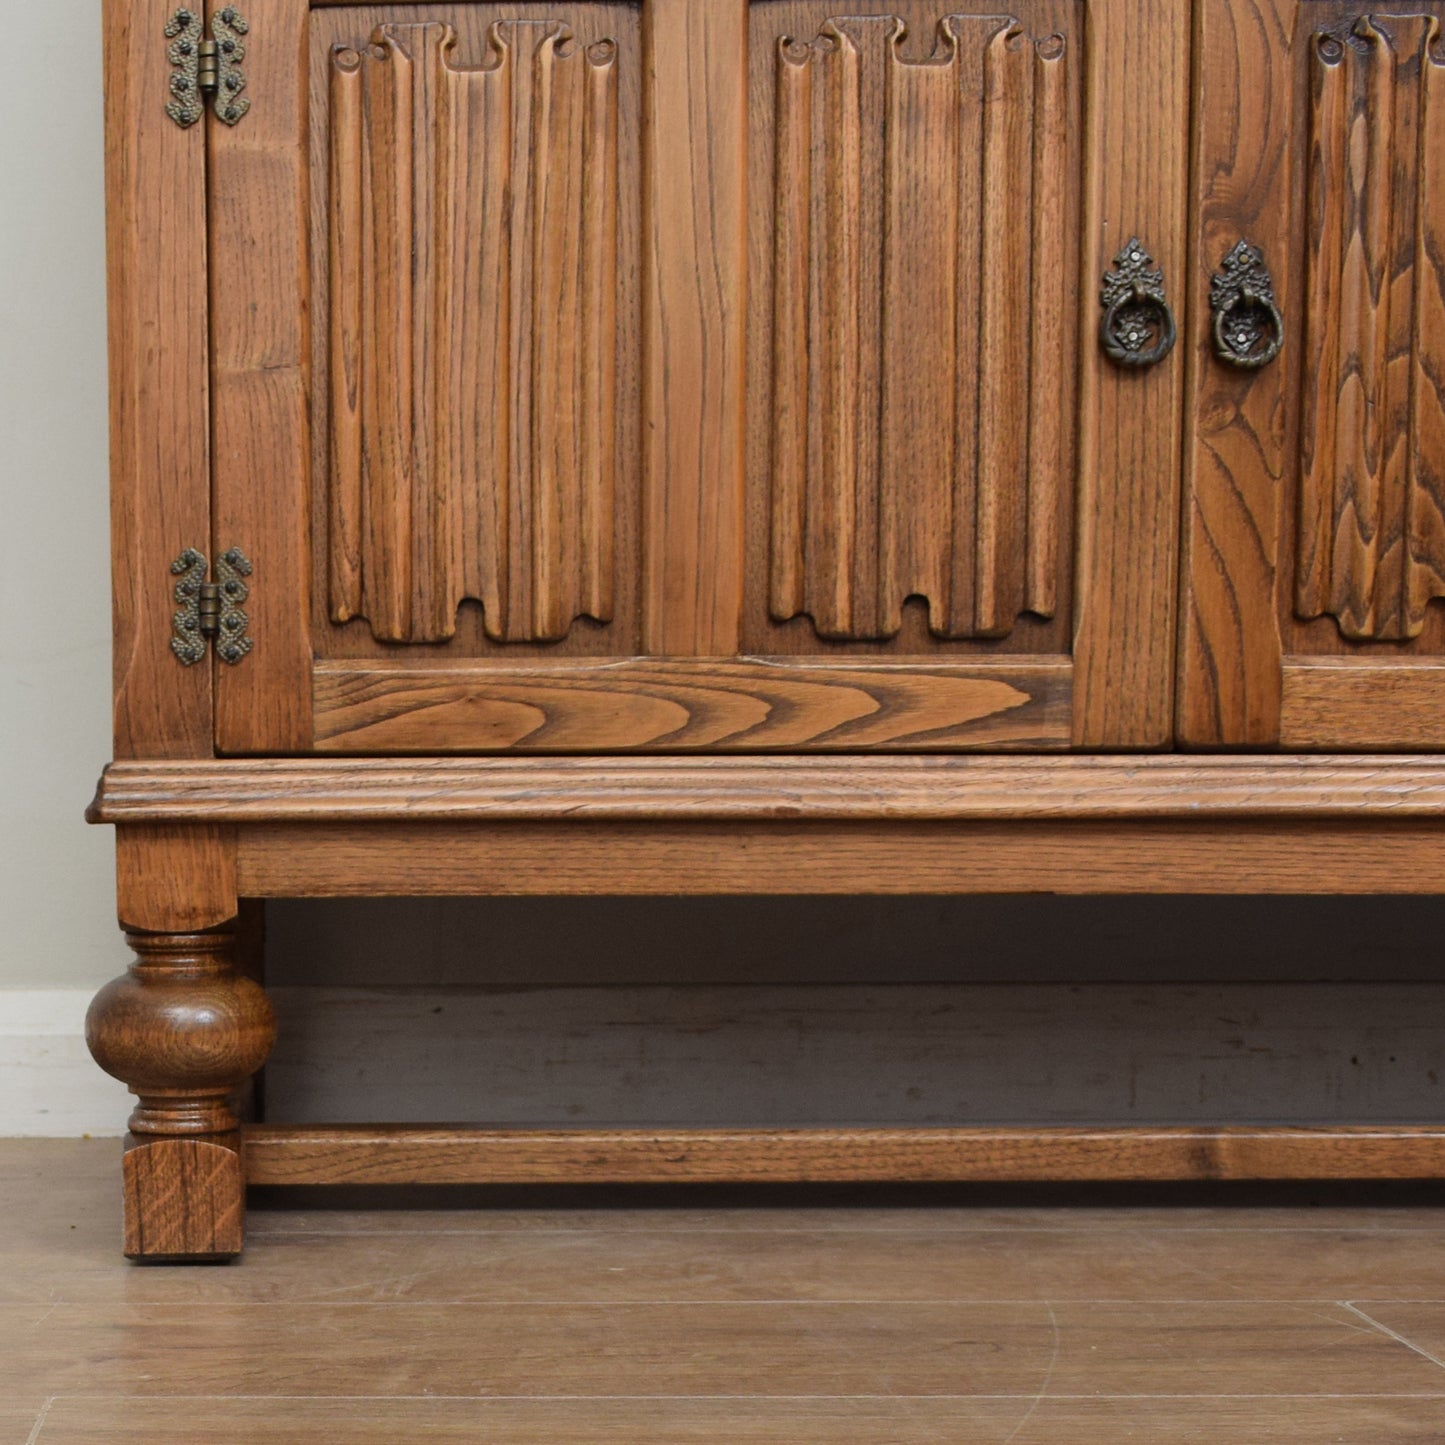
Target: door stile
{"type": "Point", "coordinates": [159, 436]}
{"type": "Point", "coordinates": [694, 329]}
{"type": "Point", "coordinates": [1237, 435]}
{"type": "Point", "coordinates": [260, 381]}
{"type": "Point", "coordinates": [1137, 132]}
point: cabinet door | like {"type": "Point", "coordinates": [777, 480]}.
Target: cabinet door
{"type": "Point", "coordinates": [696, 375]}
{"type": "Point", "coordinates": [1315, 515]}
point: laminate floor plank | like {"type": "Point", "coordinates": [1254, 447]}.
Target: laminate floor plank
{"type": "Point", "coordinates": [529, 1422]}
{"type": "Point", "coordinates": [1419, 1322]}
{"type": "Point", "coordinates": [1040, 1324]}
{"type": "Point", "coordinates": [708, 1264]}
{"type": "Point", "coordinates": [712, 1349]}
{"type": "Point", "coordinates": [22, 1397]}
{"type": "Point", "coordinates": [117, 1420]}
{"type": "Point", "coordinates": [636, 1212]}
{"type": "Point", "coordinates": [18, 1421]}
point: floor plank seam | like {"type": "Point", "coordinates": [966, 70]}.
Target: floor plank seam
{"type": "Point", "coordinates": [1044, 1386]}
{"type": "Point", "coordinates": [746, 1302]}
{"type": "Point", "coordinates": [39, 1424]}
{"type": "Point", "coordinates": [890, 1398]}
{"type": "Point", "coordinates": [1393, 1334]}
{"type": "Point", "coordinates": [258, 1232]}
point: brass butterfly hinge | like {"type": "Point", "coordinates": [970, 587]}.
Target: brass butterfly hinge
{"type": "Point", "coordinates": [207, 67]}
{"type": "Point", "coordinates": [211, 609]}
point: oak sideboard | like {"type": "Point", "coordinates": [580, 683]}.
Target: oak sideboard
{"type": "Point", "coordinates": [700, 446]}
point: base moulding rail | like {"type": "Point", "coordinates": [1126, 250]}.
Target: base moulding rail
{"type": "Point", "coordinates": [420, 1154]}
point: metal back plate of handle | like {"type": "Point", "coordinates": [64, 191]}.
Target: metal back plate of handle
{"type": "Point", "coordinates": [1248, 329]}
{"type": "Point", "coordinates": [1137, 328]}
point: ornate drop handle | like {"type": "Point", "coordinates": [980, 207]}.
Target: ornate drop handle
{"type": "Point", "coordinates": [1248, 329]}
{"type": "Point", "coordinates": [1137, 328]}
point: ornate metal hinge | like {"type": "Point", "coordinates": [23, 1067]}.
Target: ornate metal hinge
{"type": "Point", "coordinates": [211, 609]}
{"type": "Point", "coordinates": [206, 67]}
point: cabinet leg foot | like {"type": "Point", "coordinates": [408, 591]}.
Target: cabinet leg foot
{"type": "Point", "coordinates": [185, 1199]}
{"type": "Point", "coordinates": [182, 1029]}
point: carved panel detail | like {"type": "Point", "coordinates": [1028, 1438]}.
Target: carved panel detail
{"type": "Point", "coordinates": [922, 326]}
{"type": "Point", "coordinates": [1372, 503]}
{"type": "Point", "coordinates": [473, 331]}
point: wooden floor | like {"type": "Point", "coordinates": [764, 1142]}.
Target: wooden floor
{"type": "Point", "coordinates": [791, 1321]}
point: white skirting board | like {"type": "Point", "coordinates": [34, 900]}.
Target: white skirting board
{"type": "Point", "coordinates": [775, 1054]}
{"type": "Point", "coordinates": [49, 1085]}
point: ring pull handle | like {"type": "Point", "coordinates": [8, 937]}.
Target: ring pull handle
{"type": "Point", "coordinates": [1137, 328]}
{"type": "Point", "coordinates": [1248, 329]}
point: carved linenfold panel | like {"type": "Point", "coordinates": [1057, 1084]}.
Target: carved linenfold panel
{"type": "Point", "coordinates": [1372, 500]}
{"type": "Point", "coordinates": [922, 326]}
{"type": "Point", "coordinates": [473, 279]}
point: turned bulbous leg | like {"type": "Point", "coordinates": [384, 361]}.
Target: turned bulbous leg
{"type": "Point", "coordinates": [182, 1029]}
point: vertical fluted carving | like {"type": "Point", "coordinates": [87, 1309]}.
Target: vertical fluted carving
{"type": "Point", "coordinates": [1372, 503]}
{"type": "Point", "coordinates": [1050, 455]}
{"type": "Point", "coordinates": [921, 336]}
{"type": "Point", "coordinates": [473, 277]}
{"type": "Point", "coordinates": [1426, 436]}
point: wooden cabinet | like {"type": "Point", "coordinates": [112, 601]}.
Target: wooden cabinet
{"type": "Point", "coordinates": [683, 446]}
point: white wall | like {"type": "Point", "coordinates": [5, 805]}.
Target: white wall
{"type": "Point", "coordinates": [56, 903]}
{"type": "Point", "coordinates": [57, 924]}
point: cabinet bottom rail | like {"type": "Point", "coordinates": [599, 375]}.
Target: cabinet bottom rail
{"type": "Point", "coordinates": [427, 1154]}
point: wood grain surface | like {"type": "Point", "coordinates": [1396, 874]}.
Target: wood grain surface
{"type": "Point", "coordinates": [691, 704]}
{"type": "Point", "coordinates": [759, 790]}
{"type": "Point", "coordinates": [920, 379]}
{"type": "Point", "coordinates": [417, 1154]}
{"type": "Point", "coordinates": [437, 859]}
{"type": "Point", "coordinates": [1237, 432]}
{"type": "Point", "coordinates": [535, 433]}
{"type": "Point", "coordinates": [1136, 184]}
{"type": "Point", "coordinates": [782, 1352]}
{"type": "Point", "coordinates": [175, 878]}
{"type": "Point", "coordinates": [160, 447]}
{"type": "Point", "coordinates": [1314, 532]}
{"type": "Point", "coordinates": [182, 1030]}
{"type": "Point", "coordinates": [260, 381]}
{"type": "Point", "coordinates": [494, 510]}
{"type": "Point", "coordinates": [1333, 703]}
{"type": "Point", "coordinates": [679, 1316]}
{"type": "Point", "coordinates": [472, 394]}
{"type": "Point", "coordinates": [1372, 529]}
{"type": "Point", "coordinates": [740, 1420]}
{"type": "Point", "coordinates": [184, 1198]}
{"type": "Point", "coordinates": [694, 306]}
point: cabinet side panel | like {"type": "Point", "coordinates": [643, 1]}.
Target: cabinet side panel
{"type": "Point", "coordinates": [1137, 127]}
{"type": "Point", "coordinates": [159, 435]}
{"type": "Point", "coordinates": [260, 325]}
{"type": "Point", "coordinates": [1235, 446]}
